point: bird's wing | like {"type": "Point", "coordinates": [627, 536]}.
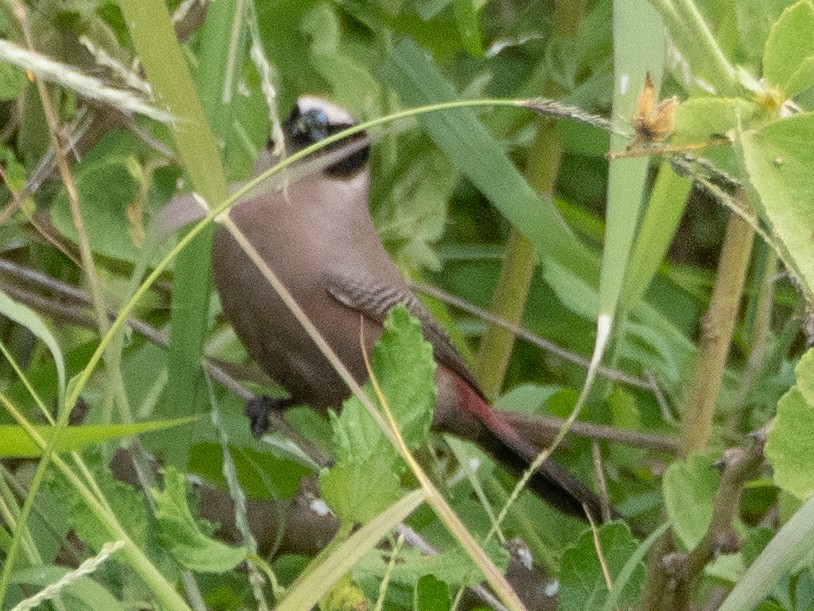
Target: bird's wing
{"type": "Point", "coordinates": [375, 300]}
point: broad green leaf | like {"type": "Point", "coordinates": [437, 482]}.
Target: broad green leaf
{"type": "Point", "coordinates": [358, 491]}
{"type": "Point", "coordinates": [779, 159]}
{"type": "Point", "coordinates": [529, 398]}
{"type": "Point", "coordinates": [452, 566]}
{"type": "Point", "coordinates": [85, 591]}
{"type": "Point", "coordinates": [351, 83]}
{"type": "Point", "coordinates": [582, 581]}
{"type": "Point", "coordinates": [624, 412]}
{"type": "Point", "coordinates": [632, 569]}
{"type": "Point", "coordinates": [25, 316]}
{"type": "Point", "coordinates": [12, 81]}
{"type": "Point", "coordinates": [106, 190]}
{"type": "Point", "coordinates": [476, 153]}
{"type": "Point", "coordinates": [789, 47]}
{"type": "Point", "coordinates": [699, 118]}
{"type": "Point", "coordinates": [802, 78]}
{"type": "Point", "coordinates": [16, 443]}
{"type": "Point", "coordinates": [182, 535]}
{"type": "Point", "coordinates": [755, 543]}
{"type": "Point", "coordinates": [431, 594]}
{"type": "Point", "coordinates": [467, 19]}
{"type": "Point", "coordinates": [261, 474]}
{"type": "Point", "coordinates": [804, 372]}
{"type": "Point", "coordinates": [689, 495]}
{"type": "Point", "coordinates": [754, 20]}
{"type": "Point", "coordinates": [126, 504]}
{"type": "Point", "coordinates": [365, 478]}
{"type": "Point", "coordinates": [790, 446]}
{"type": "Point", "coordinates": [411, 214]}
{"type": "Point", "coordinates": [405, 368]}
{"type": "Point", "coordinates": [356, 435]}
{"type": "Point", "coordinates": [16, 174]}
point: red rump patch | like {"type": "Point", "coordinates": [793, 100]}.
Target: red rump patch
{"type": "Point", "coordinates": [475, 403]}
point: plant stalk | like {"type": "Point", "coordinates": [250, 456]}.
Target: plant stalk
{"type": "Point", "coordinates": [717, 328]}
{"type": "Point", "coordinates": [517, 270]}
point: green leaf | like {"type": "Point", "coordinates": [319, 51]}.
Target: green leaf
{"type": "Point", "coordinates": [365, 478]}
{"type": "Point", "coordinates": [182, 535]}
{"type": "Point", "coordinates": [478, 155]}
{"type": "Point", "coordinates": [29, 319]}
{"type": "Point", "coordinates": [790, 546]}
{"type": "Point", "coordinates": [431, 594]}
{"type": "Point", "coordinates": [412, 213]}
{"type": "Point", "coordinates": [668, 200]}
{"type": "Point", "coordinates": [12, 82]}
{"type": "Point", "coordinates": [452, 566]}
{"type": "Point", "coordinates": [790, 446]}
{"type": "Point", "coordinates": [700, 118]}
{"type": "Point", "coordinates": [16, 443]}
{"type": "Point", "coordinates": [632, 568]}
{"type": "Point", "coordinates": [790, 49]}
{"type": "Point", "coordinates": [262, 475]}
{"type": "Point", "coordinates": [126, 504]}
{"type": "Point", "coordinates": [16, 174]}
{"type": "Point", "coordinates": [405, 368]}
{"type": "Point", "coordinates": [636, 25]}
{"type": "Point", "coordinates": [582, 581]}
{"type": "Point", "coordinates": [779, 159]}
{"type": "Point", "coordinates": [105, 189]}
{"type": "Point", "coordinates": [467, 19]}
{"type": "Point", "coordinates": [755, 19]}
{"type": "Point", "coordinates": [163, 60]}
{"type": "Point", "coordinates": [527, 398]}
{"type": "Point", "coordinates": [351, 83]}
{"type": "Point", "coordinates": [358, 491]}
{"type": "Point", "coordinates": [689, 494]}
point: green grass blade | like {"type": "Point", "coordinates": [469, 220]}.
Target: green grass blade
{"type": "Point", "coordinates": [476, 153]}
{"type": "Point", "coordinates": [638, 47]}
{"type": "Point", "coordinates": [154, 39]}
{"type": "Point", "coordinates": [15, 442]}
{"type": "Point", "coordinates": [306, 593]}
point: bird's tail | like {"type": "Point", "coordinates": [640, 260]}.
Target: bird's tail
{"type": "Point", "coordinates": [551, 482]}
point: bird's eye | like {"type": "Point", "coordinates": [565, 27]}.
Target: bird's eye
{"type": "Point", "coordinates": [309, 124]}
{"type": "Point", "coordinates": [318, 119]}
{"type": "Point", "coordinates": [305, 128]}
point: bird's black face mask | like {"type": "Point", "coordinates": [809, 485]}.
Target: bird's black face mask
{"type": "Point", "coordinates": [304, 128]}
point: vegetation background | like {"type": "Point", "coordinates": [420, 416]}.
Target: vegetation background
{"type": "Point", "coordinates": [686, 269]}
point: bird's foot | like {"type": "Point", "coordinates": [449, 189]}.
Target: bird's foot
{"type": "Point", "coordinates": [258, 409]}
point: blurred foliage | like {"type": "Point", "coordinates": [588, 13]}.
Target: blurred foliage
{"type": "Point", "coordinates": [446, 188]}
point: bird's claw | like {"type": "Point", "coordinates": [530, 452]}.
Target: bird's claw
{"type": "Point", "coordinates": [258, 409]}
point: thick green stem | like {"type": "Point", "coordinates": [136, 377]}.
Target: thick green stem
{"type": "Point", "coordinates": [517, 270]}
{"type": "Point", "coordinates": [699, 404]}
{"type": "Point", "coordinates": [717, 328]}
{"type": "Point", "coordinates": [508, 302]}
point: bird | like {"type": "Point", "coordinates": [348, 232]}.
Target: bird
{"type": "Point", "coordinates": [318, 237]}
